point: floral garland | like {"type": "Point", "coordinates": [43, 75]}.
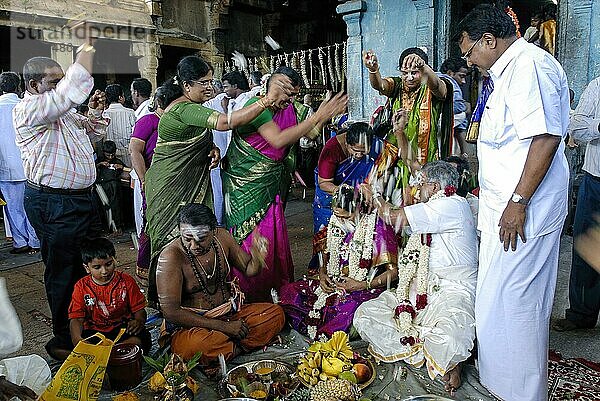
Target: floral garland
{"type": "Point", "coordinates": [513, 16]}
{"type": "Point", "coordinates": [359, 254]}
{"type": "Point", "coordinates": [414, 264]}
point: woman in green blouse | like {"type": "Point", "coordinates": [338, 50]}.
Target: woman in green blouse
{"type": "Point", "coordinates": [185, 151]}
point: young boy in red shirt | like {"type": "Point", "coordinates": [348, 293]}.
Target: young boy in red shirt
{"type": "Point", "coordinates": [107, 300]}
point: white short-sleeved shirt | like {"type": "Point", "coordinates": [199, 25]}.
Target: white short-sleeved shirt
{"type": "Point", "coordinates": [530, 98]}
{"type": "Point", "coordinates": [452, 228]}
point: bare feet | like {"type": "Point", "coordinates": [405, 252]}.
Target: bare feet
{"type": "Point", "coordinates": [452, 379]}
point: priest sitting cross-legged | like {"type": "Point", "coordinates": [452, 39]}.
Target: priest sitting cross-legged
{"type": "Point", "coordinates": [203, 311]}
{"type": "Point", "coordinates": [429, 319]}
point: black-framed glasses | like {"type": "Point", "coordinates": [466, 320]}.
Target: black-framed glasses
{"type": "Point", "coordinates": [468, 53]}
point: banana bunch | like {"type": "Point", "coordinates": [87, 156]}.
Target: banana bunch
{"type": "Point", "coordinates": [326, 360]}
{"type": "Point", "coordinates": [309, 368]}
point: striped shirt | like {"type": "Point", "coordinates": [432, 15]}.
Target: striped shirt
{"type": "Point", "coordinates": [122, 121]}
{"type": "Point", "coordinates": [585, 126]}
{"type": "Point", "coordinates": [55, 141]}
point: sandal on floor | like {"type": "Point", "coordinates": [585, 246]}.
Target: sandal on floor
{"type": "Point", "coordinates": [18, 251]}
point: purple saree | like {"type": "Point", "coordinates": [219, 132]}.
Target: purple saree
{"type": "Point", "coordinates": [298, 298]}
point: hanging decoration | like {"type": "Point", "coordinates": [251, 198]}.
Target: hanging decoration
{"type": "Point", "coordinates": [338, 67]}
{"type": "Point", "coordinates": [345, 62]}
{"type": "Point", "coordinates": [310, 65]}
{"type": "Point", "coordinates": [303, 68]}
{"type": "Point", "coordinates": [322, 65]}
{"type": "Point", "coordinates": [330, 69]}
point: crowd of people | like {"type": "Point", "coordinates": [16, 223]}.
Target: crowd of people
{"type": "Point", "coordinates": [408, 252]}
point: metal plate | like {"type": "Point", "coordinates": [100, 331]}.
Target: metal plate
{"type": "Point", "coordinates": [279, 366]}
{"type": "Point", "coordinates": [428, 397]}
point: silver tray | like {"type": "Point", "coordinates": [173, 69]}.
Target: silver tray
{"type": "Point", "coordinates": [237, 399]}
{"type": "Point", "coordinates": [279, 366]}
{"type": "Point", "coordinates": [427, 397]}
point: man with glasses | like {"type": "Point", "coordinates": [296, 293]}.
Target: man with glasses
{"type": "Point", "coordinates": [58, 158]}
{"type": "Point", "coordinates": [523, 202]}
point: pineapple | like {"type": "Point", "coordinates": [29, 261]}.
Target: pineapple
{"type": "Point", "coordinates": [335, 390]}
{"type": "Point", "coordinates": [301, 394]}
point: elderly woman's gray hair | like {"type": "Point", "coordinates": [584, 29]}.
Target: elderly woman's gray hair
{"type": "Point", "coordinates": [441, 172]}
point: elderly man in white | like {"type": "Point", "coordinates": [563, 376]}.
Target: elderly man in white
{"type": "Point", "coordinates": [523, 176]}
{"type": "Point", "coordinates": [429, 319]}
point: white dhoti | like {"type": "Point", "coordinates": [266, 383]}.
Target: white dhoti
{"type": "Point", "coordinates": [31, 371]}
{"type": "Point", "coordinates": [446, 326]}
{"type": "Point", "coordinates": [137, 202]}
{"type": "Point", "coordinates": [217, 190]}
{"type": "Point", "coordinates": [21, 230]}
{"type": "Point", "coordinates": [515, 292]}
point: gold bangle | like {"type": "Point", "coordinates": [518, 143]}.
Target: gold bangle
{"type": "Point", "coordinates": [261, 103]}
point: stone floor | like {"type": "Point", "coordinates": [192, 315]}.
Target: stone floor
{"type": "Point", "coordinates": [24, 276]}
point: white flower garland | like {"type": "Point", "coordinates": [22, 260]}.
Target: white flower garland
{"type": "Point", "coordinates": [361, 247]}
{"type": "Point", "coordinates": [413, 264]}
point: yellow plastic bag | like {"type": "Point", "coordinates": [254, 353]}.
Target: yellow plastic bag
{"type": "Point", "coordinates": [81, 375]}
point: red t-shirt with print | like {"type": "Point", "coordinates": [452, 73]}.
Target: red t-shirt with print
{"type": "Point", "coordinates": [106, 307]}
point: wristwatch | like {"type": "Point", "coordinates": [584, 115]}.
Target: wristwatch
{"type": "Point", "coordinates": [519, 199]}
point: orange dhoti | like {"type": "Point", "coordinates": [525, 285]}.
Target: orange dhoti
{"type": "Point", "coordinates": [264, 322]}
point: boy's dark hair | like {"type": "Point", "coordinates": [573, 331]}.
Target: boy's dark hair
{"type": "Point", "coordinates": [35, 68]}
{"type": "Point", "coordinates": [9, 82]}
{"type": "Point", "coordinates": [142, 86]}
{"type": "Point", "coordinates": [97, 248]}
{"type": "Point", "coordinates": [113, 93]}
{"type": "Point", "coordinates": [236, 78]}
{"type": "Point", "coordinates": [109, 147]}
{"type": "Point", "coordinates": [412, 50]}
{"type": "Point", "coordinates": [288, 72]}
{"type": "Point", "coordinates": [356, 130]}
{"type": "Point", "coordinates": [485, 18]}
{"type": "Point", "coordinates": [453, 64]}
{"type": "Point", "coordinates": [197, 215]}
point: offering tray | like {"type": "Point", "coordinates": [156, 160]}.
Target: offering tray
{"type": "Point", "coordinates": [266, 371]}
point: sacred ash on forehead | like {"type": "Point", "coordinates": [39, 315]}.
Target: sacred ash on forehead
{"type": "Point", "coordinates": [196, 233]}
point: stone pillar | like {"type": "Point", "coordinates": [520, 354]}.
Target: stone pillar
{"type": "Point", "coordinates": [351, 12]}
{"type": "Point", "coordinates": [148, 53]}
{"type": "Point", "coordinates": [573, 41]}
{"type": "Point", "coordinates": [425, 27]}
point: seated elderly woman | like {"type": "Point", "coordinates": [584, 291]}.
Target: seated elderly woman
{"type": "Point", "coordinates": [429, 319]}
{"type": "Point", "coordinates": [203, 311]}
{"type": "Point", "coordinates": [358, 259]}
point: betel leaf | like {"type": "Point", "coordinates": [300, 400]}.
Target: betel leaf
{"type": "Point", "coordinates": [159, 363]}
{"type": "Point", "coordinates": [154, 364]}
{"type": "Point", "coordinates": [192, 363]}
